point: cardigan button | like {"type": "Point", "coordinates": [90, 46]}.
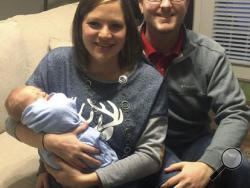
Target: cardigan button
{"type": "Point", "coordinates": [123, 79]}
{"type": "Point", "coordinates": [125, 106]}
{"type": "Point", "coordinates": [127, 149]}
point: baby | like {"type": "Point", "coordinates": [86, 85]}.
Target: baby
{"type": "Point", "coordinates": [54, 113]}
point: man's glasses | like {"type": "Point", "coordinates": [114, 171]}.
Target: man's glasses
{"type": "Point", "coordinates": [159, 1]}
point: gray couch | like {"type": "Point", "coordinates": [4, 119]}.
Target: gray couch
{"type": "Point", "coordinates": [24, 40]}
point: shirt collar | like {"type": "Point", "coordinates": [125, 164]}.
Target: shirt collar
{"type": "Point", "coordinates": [148, 48]}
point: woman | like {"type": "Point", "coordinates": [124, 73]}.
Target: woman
{"type": "Point", "coordinates": [115, 91]}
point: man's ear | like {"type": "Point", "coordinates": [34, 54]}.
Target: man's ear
{"type": "Point", "coordinates": [140, 5]}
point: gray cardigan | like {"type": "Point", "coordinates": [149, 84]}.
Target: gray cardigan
{"type": "Point", "coordinates": [139, 138]}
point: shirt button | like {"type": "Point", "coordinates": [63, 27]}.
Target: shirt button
{"type": "Point", "coordinates": [125, 106]}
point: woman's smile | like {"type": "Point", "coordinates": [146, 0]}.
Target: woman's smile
{"type": "Point", "coordinates": [104, 45]}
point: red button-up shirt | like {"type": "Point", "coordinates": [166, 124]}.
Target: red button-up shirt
{"type": "Point", "coordinates": [160, 60]}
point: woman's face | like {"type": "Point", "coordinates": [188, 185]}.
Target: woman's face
{"type": "Point", "coordinates": [104, 32]}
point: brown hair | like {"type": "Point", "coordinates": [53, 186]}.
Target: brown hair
{"type": "Point", "coordinates": [13, 106]}
{"type": "Point", "coordinates": [20, 97]}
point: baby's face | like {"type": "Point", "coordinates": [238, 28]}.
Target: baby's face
{"type": "Point", "coordinates": [31, 94]}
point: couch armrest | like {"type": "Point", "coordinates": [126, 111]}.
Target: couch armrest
{"type": "Point", "coordinates": [19, 163]}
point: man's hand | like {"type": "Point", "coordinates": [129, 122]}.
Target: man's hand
{"type": "Point", "coordinates": [70, 149]}
{"type": "Point", "coordinates": [42, 180]}
{"type": "Point", "coordinates": [192, 175]}
{"type": "Point", "coordinates": [71, 177]}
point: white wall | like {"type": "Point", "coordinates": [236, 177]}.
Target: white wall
{"type": "Point", "coordinates": [203, 23]}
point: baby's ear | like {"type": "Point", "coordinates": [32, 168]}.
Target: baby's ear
{"type": "Point", "coordinates": [7, 104]}
{"type": "Point", "coordinates": [11, 109]}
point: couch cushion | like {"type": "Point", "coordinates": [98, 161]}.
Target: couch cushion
{"type": "Point", "coordinates": [12, 62]}
{"type": "Point", "coordinates": [19, 163]}
{"type": "Point", "coordinates": [55, 43]}
{"type": "Point", "coordinates": [37, 29]}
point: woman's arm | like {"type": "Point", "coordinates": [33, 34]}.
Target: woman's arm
{"type": "Point", "coordinates": [23, 134]}
{"type": "Point", "coordinates": [72, 177]}
{"type": "Point", "coordinates": [66, 145]}
{"type": "Point", "coordinates": [29, 137]}
{"type": "Point", "coordinates": [70, 149]}
{"type": "Point", "coordinates": [43, 180]}
{"type": "Point", "coordinates": [146, 160]}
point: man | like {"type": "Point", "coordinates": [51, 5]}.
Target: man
{"type": "Point", "coordinates": [199, 81]}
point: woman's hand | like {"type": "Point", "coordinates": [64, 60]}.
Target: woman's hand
{"type": "Point", "coordinates": [70, 149]}
{"type": "Point", "coordinates": [71, 177]}
{"type": "Point", "coordinates": [42, 180]}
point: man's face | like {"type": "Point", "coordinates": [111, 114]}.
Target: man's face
{"type": "Point", "coordinates": [164, 16]}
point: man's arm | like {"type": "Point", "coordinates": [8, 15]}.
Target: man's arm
{"type": "Point", "coordinates": [231, 112]}
{"type": "Point", "coordinates": [232, 115]}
